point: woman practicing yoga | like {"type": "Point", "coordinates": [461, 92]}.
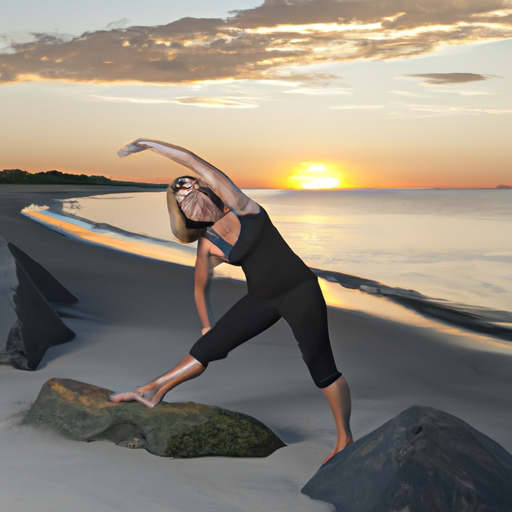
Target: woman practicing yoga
{"type": "Point", "coordinates": [232, 228]}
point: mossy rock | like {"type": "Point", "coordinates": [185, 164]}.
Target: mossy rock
{"type": "Point", "coordinates": [82, 412]}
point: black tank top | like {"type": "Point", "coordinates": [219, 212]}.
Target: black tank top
{"type": "Point", "coordinates": [269, 264]}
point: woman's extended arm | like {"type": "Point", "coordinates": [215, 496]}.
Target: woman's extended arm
{"type": "Point", "coordinates": [216, 179]}
{"type": "Point", "coordinates": [205, 263]}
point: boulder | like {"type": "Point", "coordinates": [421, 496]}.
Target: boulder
{"type": "Point", "coordinates": [28, 323]}
{"type": "Point", "coordinates": [422, 460]}
{"type": "Point", "coordinates": [49, 287]}
{"type": "Point", "coordinates": [83, 412]}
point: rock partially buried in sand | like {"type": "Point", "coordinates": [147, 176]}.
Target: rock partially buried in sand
{"type": "Point", "coordinates": [422, 460]}
{"type": "Point", "coordinates": [28, 323]}
{"type": "Point", "coordinates": [82, 412]}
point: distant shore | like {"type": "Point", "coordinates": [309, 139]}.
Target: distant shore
{"type": "Point", "coordinates": [19, 177]}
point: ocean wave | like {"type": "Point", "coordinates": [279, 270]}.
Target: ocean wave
{"type": "Point", "coordinates": [473, 318]}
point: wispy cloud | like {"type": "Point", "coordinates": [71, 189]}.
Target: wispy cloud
{"type": "Point", "coordinates": [406, 93]}
{"type": "Point", "coordinates": [312, 91]}
{"type": "Point", "coordinates": [122, 23]}
{"type": "Point", "coordinates": [196, 101]}
{"type": "Point", "coordinates": [259, 43]}
{"type": "Point", "coordinates": [213, 102]}
{"type": "Point", "coordinates": [401, 110]}
{"type": "Point", "coordinates": [450, 78]}
{"type": "Point", "coordinates": [466, 93]}
{"type": "Point", "coordinates": [319, 84]}
{"type": "Point", "coordinates": [357, 107]}
{"type": "Point", "coordinates": [441, 110]}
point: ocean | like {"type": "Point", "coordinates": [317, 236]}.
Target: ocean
{"type": "Point", "coordinates": [408, 254]}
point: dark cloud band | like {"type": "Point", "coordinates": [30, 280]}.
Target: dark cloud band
{"type": "Point", "coordinates": [258, 43]}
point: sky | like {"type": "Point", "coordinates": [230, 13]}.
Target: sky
{"type": "Point", "coordinates": [276, 93]}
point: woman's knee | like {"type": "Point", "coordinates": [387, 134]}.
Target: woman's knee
{"type": "Point", "coordinates": [321, 365]}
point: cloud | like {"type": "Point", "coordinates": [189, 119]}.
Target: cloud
{"type": "Point", "coordinates": [123, 22]}
{"type": "Point", "coordinates": [318, 84]}
{"type": "Point", "coordinates": [213, 102]}
{"type": "Point", "coordinates": [425, 110]}
{"type": "Point", "coordinates": [468, 93]}
{"type": "Point", "coordinates": [439, 110]}
{"type": "Point", "coordinates": [312, 91]}
{"type": "Point", "coordinates": [393, 14]}
{"type": "Point", "coordinates": [357, 107]}
{"type": "Point", "coordinates": [405, 93]}
{"type": "Point", "coordinates": [258, 44]}
{"type": "Point", "coordinates": [450, 78]}
{"type": "Point", "coordinates": [196, 101]}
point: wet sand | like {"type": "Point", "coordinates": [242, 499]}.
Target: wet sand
{"type": "Point", "coordinates": [137, 319]}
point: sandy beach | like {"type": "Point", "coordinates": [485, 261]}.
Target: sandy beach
{"type": "Point", "coordinates": [136, 319]}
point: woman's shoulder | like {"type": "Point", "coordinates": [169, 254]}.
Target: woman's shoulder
{"type": "Point", "coordinates": [250, 208]}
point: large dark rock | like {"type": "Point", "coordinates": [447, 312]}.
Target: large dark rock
{"type": "Point", "coordinates": [424, 460]}
{"type": "Point", "coordinates": [82, 412]}
{"type": "Point", "coordinates": [49, 287]}
{"type": "Point", "coordinates": [28, 323]}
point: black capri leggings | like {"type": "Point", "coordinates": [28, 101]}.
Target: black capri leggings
{"type": "Point", "coordinates": [305, 311]}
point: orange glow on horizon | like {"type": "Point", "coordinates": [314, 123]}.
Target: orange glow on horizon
{"type": "Point", "coordinates": [307, 176]}
{"type": "Point", "coordinates": [314, 176]}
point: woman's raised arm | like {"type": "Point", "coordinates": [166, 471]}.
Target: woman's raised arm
{"type": "Point", "coordinates": [215, 178]}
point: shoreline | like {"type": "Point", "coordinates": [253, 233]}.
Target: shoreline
{"type": "Point", "coordinates": [136, 318]}
{"type": "Point", "coordinates": [341, 290]}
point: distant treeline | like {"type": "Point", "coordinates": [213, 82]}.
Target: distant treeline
{"type": "Point", "coordinates": [19, 177]}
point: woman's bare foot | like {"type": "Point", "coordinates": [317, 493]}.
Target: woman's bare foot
{"type": "Point", "coordinates": [152, 394]}
{"type": "Point", "coordinates": [338, 396]}
{"type": "Point", "coordinates": [131, 396]}
{"type": "Point", "coordinates": [337, 449]}
{"type": "Point", "coordinates": [143, 394]}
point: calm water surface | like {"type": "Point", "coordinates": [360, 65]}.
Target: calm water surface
{"type": "Point", "coordinates": [450, 246]}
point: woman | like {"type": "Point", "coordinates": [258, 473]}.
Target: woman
{"type": "Point", "coordinates": [232, 228]}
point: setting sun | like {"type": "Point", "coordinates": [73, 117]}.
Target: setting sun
{"type": "Point", "coordinates": [314, 176]}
